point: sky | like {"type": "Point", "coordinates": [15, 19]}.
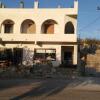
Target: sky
{"type": "Point", "coordinates": [88, 15]}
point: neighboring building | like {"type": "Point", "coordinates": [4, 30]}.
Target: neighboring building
{"type": "Point", "coordinates": [46, 32]}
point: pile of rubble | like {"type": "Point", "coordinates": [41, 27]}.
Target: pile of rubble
{"type": "Point", "coordinates": [38, 70]}
{"type": "Point", "coordinates": [44, 69]}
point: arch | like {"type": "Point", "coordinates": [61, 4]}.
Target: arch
{"type": "Point", "coordinates": [8, 26]}
{"type": "Point", "coordinates": [48, 26]}
{"type": "Point", "coordinates": [28, 26]}
{"type": "Point", "coordinates": [69, 28]}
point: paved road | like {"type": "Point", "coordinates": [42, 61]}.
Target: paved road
{"type": "Point", "coordinates": [50, 89]}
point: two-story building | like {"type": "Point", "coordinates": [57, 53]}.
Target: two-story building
{"type": "Point", "coordinates": [45, 31]}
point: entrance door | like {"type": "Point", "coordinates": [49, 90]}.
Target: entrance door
{"type": "Point", "coordinates": [18, 54]}
{"type": "Point", "coordinates": [68, 57]}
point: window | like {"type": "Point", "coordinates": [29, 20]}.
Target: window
{"type": "Point", "coordinates": [28, 26]}
{"type": "Point", "coordinates": [48, 27]}
{"type": "Point", "coordinates": [8, 28]}
{"type": "Point", "coordinates": [69, 28]}
{"type": "Point", "coordinates": [44, 54]}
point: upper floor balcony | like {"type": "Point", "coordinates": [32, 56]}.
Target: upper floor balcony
{"type": "Point", "coordinates": [28, 32]}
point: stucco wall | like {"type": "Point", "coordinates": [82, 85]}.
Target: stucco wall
{"type": "Point", "coordinates": [39, 15]}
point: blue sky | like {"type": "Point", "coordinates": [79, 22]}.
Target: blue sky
{"type": "Point", "coordinates": [88, 17]}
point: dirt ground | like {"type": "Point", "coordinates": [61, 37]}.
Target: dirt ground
{"type": "Point", "coordinates": [50, 89]}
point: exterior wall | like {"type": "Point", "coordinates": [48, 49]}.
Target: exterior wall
{"type": "Point", "coordinates": [48, 46]}
{"type": "Point", "coordinates": [39, 16]}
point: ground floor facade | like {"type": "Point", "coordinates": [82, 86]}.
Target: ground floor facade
{"type": "Point", "coordinates": [57, 52]}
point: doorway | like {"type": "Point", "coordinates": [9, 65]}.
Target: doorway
{"type": "Point", "coordinates": [67, 55]}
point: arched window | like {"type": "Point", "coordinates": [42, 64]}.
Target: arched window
{"type": "Point", "coordinates": [8, 26]}
{"type": "Point", "coordinates": [28, 26]}
{"type": "Point", "coordinates": [48, 27]}
{"type": "Point", "coordinates": [69, 28]}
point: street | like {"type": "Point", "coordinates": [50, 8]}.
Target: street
{"type": "Point", "coordinates": [50, 89]}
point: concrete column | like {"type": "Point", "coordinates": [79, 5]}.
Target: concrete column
{"type": "Point", "coordinates": [38, 28]}
{"type": "Point", "coordinates": [36, 4]}
{"type": "Point", "coordinates": [0, 4]}
{"type": "Point", "coordinates": [75, 54]}
{"type": "Point", "coordinates": [38, 32]}
{"type": "Point", "coordinates": [21, 4]}
{"type": "Point", "coordinates": [58, 55]}
{"type": "Point", "coordinates": [2, 29]}
{"type": "Point", "coordinates": [16, 28]}
{"type": "Point", "coordinates": [76, 4]}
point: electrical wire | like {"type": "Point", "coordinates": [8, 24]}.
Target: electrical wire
{"type": "Point", "coordinates": [90, 24]}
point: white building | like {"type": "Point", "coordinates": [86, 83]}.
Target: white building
{"type": "Point", "coordinates": [47, 32]}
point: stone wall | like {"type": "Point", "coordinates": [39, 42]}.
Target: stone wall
{"type": "Point", "coordinates": [93, 63]}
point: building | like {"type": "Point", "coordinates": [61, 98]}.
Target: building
{"type": "Point", "coordinates": [46, 32]}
